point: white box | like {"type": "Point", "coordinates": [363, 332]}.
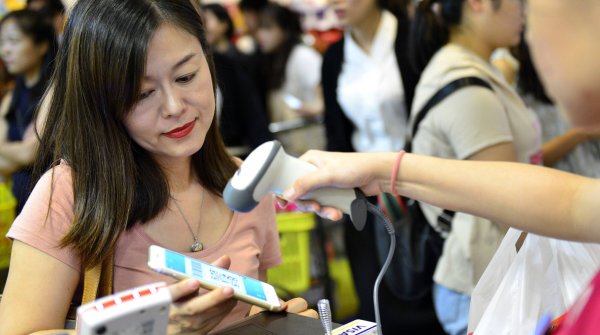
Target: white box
{"type": "Point", "coordinates": [142, 310]}
{"type": "Point", "coordinates": [357, 327]}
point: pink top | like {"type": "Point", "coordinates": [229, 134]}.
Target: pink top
{"type": "Point", "coordinates": [583, 318]}
{"type": "Point", "coordinates": [251, 240]}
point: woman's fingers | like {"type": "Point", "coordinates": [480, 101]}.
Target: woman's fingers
{"type": "Point", "coordinates": [329, 213]}
{"type": "Point", "coordinates": [311, 313]}
{"type": "Point", "coordinates": [296, 305]}
{"type": "Point", "coordinates": [184, 288]}
{"type": "Point", "coordinates": [204, 302]}
{"type": "Point", "coordinates": [202, 313]}
{"type": "Point", "coordinates": [255, 310]}
{"type": "Point", "coordinates": [223, 262]}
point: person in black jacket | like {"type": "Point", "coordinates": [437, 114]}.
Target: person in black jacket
{"type": "Point", "coordinates": [368, 84]}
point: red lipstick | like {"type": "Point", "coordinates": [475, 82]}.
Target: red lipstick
{"type": "Point", "coordinates": [181, 131]}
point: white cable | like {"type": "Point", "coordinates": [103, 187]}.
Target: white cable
{"type": "Point", "coordinates": [390, 228]}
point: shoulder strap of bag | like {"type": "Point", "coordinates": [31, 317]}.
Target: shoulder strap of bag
{"type": "Point", "coordinates": [445, 219]}
{"type": "Point", "coordinates": [97, 282]}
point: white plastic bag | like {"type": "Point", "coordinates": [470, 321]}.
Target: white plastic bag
{"type": "Point", "coordinates": [517, 288]}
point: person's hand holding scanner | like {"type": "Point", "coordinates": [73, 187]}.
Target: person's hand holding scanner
{"type": "Point", "coordinates": [192, 313]}
{"type": "Point", "coordinates": [368, 171]}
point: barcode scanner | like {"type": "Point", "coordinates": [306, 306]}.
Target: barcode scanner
{"type": "Point", "coordinates": [269, 169]}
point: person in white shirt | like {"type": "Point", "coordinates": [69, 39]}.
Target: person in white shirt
{"type": "Point", "coordinates": [368, 85]}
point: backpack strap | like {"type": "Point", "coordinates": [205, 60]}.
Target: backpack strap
{"type": "Point", "coordinates": [444, 220]}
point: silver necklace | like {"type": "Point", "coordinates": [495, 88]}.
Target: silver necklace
{"type": "Point", "coordinates": [196, 245]}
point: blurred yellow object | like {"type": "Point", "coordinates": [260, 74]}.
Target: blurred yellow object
{"type": "Point", "coordinates": [14, 4]}
{"type": "Point", "coordinates": [346, 300]}
{"type": "Point", "coordinates": [293, 275]}
{"type": "Point", "coordinates": [8, 204]}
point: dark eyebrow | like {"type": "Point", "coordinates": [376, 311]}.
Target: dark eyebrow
{"type": "Point", "coordinates": [184, 60]}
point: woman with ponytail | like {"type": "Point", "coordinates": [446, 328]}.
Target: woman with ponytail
{"type": "Point", "coordinates": [453, 39]}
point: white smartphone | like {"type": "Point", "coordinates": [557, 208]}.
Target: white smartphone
{"type": "Point", "coordinates": [210, 277]}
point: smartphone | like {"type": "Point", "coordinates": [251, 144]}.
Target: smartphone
{"type": "Point", "coordinates": [210, 277]}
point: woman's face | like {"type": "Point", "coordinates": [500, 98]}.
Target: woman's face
{"type": "Point", "coordinates": [270, 37]}
{"type": "Point", "coordinates": [177, 104]}
{"type": "Point", "coordinates": [18, 51]}
{"type": "Point", "coordinates": [215, 29]}
{"type": "Point", "coordinates": [563, 37]}
{"type": "Point", "coordinates": [504, 21]}
{"type": "Point", "coordinates": [353, 12]}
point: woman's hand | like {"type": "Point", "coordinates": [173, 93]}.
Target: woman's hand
{"type": "Point", "coordinates": [368, 171]}
{"type": "Point", "coordinates": [295, 305]}
{"type": "Point", "coordinates": [198, 314]}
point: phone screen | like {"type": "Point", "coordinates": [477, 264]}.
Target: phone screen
{"type": "Point", "coordinates": [214, 275]}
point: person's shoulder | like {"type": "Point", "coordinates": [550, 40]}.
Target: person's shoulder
{"type": "Point", "coordinates": [452, 58]}
{"type": "Point", "coordinates": [59, 178]}
{"type": "Point", "coordinates": [446, 67]}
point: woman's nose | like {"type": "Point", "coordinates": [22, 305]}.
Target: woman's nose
{"type": "Point", "coordinates": [173, 103]}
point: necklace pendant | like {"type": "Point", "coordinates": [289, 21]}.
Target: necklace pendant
{"type": "Point", "coordinates": [196, 246]}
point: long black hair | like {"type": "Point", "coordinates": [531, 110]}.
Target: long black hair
{"type": "Point", "coordinates": [528, 80]}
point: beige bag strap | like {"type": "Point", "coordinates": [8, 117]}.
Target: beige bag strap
{"type": "Point", "coordinates": [97, 281]}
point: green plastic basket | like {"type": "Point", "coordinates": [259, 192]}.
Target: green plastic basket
{"type": "Point", "coordinates": [293, 275]}
{"type": "Point", "coordinates": [7, 216]}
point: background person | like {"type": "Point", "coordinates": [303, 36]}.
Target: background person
{"type": "Point", "coordinates": [368, 87]}
{"type": "Point", "coordinates": [454, 39]}
{"type": "Point", "coordinates": [291, 70]}
{"type": "Point", "coordinates": [27, 48]}
{"type": "Point", "coordinates": [241, 114]}
{"type": "Point", "coordinates": [568, 148]}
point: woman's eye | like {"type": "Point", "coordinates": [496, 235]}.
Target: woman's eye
{"type": "Point", "coordinates": [187, 78]}
{"type": "Point", "coordinates": [146, 94]}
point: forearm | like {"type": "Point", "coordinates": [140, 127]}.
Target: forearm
{"type": "Point", "coordinates": [558, 147]}
{"type": "Point", "coordinates": [527, 197]}
{"type": "Point", "coordinates": [7, 167]}
{"type": "Point", "coordinates": [20, 153]}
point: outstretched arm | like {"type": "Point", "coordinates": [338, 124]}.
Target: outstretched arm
{"type": "Point", "coordinates": [531, 198]}
{"type": "Point", "coordinates": [558, 147]}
